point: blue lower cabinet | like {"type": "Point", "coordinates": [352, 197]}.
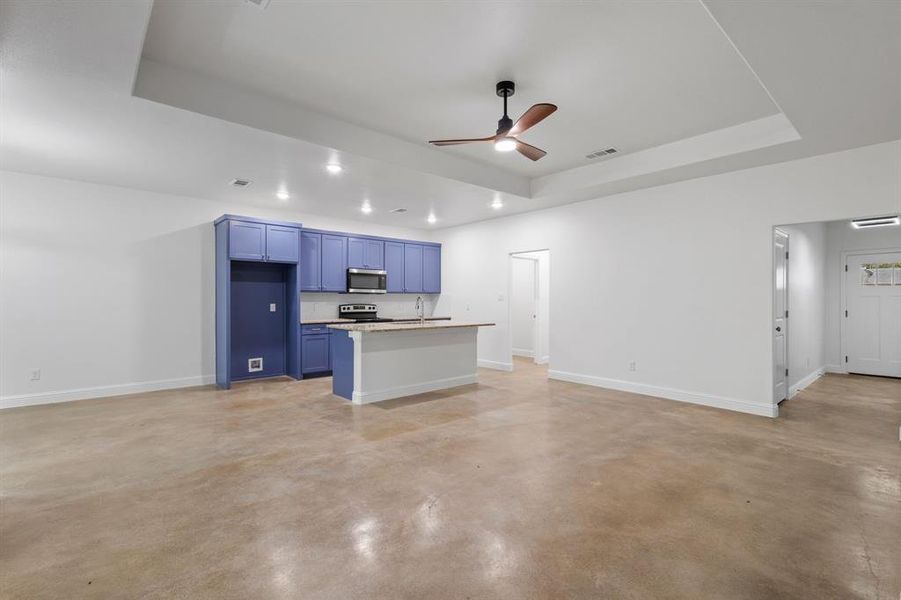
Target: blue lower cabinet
{"type": "Point", "coordinates": [315, 353]}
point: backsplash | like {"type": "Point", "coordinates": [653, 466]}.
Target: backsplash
{"type": "Point", "coordinates": [325, 306]}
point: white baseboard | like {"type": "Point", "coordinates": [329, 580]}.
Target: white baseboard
{"type": "Point", "coordinates": [753, 408]}
{"type": "Point", "coordinates": [493, 364]}
{"type": "Point", "coordinates": [835, 369]}
{"type": "Point", "coordinates": [416, 388]}
{"type": "Point", "coordinates": [522, 352]}
{"type": "Point", "coordinates": [543, 360]}
{"type": "Point", "coordinates": [103, 391]}
{"type": "Point", "coordinates": [806, 381]}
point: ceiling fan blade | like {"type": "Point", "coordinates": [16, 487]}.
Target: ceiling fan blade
{"type": "Point", "coordinates": [455, 142]}
{"type": "Point", "coordinates": [531, 117]}
{"type": "Point", "coordinates": [530, 152]}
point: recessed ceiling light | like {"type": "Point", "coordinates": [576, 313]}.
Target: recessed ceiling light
{"type": "Point", "coordinates": [431, 218]}
{"type": "Point", "coordinates": [282, 195]}
{"type": "Point", "coordinates": [497, 204]}
{"type": "Point", "coordinates": [505, 144]}
{"type": "Point", "coordinates": [366, 208]}
{"type": "Point", "coordinates": [875, 222]}
{"type": "Point", "coordinates": [334, 168]}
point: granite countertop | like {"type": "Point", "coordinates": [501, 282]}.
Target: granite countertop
{"type": "Point", "coordinates": [339, 320]}
{"type": "Point", "coordinates": [395, 326]}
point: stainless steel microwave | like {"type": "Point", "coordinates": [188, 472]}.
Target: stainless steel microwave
{"type": "Point", "coordinates": [367, 281]}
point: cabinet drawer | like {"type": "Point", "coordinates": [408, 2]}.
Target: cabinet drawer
{"type": "Point", "coordinates": [314, 329]}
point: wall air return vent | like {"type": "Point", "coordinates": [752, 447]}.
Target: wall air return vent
{"type": "Point", "coordinates": [601, 153]}
{"type": "Point", "coordinates": [240, 182]}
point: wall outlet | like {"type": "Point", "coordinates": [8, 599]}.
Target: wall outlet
{"type": "Point", "coordinates": [272, 308]}
{"type": "Point", "coordinates": [632, 366]}
{"type": "Point", "coordinates": [35, 374]}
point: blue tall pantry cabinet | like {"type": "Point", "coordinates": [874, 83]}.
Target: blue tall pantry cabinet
{"type": "Point", "coordinates": [258, 264]}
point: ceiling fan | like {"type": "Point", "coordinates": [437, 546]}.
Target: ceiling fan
{"type": "Point", "coordinates": [505, 139]}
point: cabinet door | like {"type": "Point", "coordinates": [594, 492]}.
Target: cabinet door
{"type": "Point", "coordinates": [412, 268]}
{"type": "Point", "coordinates": [315, 353]}
{"type": "Point", "coordinates": [394, 265]}
{"type": "Point", "coordinates": [374, 254]}
{"type": "Point", "coordinates": [311, 262]}
{"type": "Point", "coordinates": [282, 244]}
{"type": "Point", "coordinates": [356, 253]}
{"type": "Point", "coordinates": [246, 241]}
{"type": "Point", "coordinates": [431, 269]}
{"type": "Point", "coordinates": [334, 263]}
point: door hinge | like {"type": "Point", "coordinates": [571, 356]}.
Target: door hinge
{"type": "Point", "coordinates": [786, 314]}
{"type": "Point", "coordinates": [846, 358]}
{"type": "Point", "coordinates": [846, 314]}
{"type": "Point", "coordinates": [786, 372]}
{"type": "Point", "coordinates": [846, 268]}
{"type": "Point", "coordinates": [786, 256]}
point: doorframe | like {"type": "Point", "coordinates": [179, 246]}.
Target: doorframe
{"type": "Point", "coordinates": [843, 304]}
{"type": "Point", "coordinates": [785, 335]}
{"type": "Point", "coordinates": [511, 256]}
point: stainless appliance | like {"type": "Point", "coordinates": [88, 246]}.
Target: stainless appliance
{"type": "Point", "coordinates": [367, 281]}
{"type": "Point", "coordinates": [361, 313]}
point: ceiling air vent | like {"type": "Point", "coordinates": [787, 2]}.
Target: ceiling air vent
{"type": "Point", "coordinates": [258, 3]}
{"type": "Point", "coordinates": [600, 153]}
{"type": "Point", "coordinates": [399, 210]}
{"type": "Point", "coordinates": [876, 222]}
{"type": "Point", "coordinates": [240, 182]}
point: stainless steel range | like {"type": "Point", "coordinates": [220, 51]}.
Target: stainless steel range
{"type": "Point", "coordinates": [361, 313]}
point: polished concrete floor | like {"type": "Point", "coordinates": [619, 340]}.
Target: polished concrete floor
{"type": "Point", "coordinates": [513, 488]}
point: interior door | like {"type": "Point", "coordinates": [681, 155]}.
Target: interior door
{"type": "Point", "coordinates": [780, 316]}
{"type": "Point", "coordinates": [873, 314]}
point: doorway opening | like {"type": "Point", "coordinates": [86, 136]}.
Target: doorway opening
{"type": "Point", "coordinates": [836, 303]}
{"type": "Point", "coordinates": [530, 309]}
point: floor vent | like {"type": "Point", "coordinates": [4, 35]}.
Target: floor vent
{"type": "Point", "coordinates": [600, 153]}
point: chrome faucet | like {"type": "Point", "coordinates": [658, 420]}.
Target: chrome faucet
{"type": "Point", "coordinates": [420, 310]}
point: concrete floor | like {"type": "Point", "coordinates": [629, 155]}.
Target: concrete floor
{"type": "Point", "coordinates": [514, 488]}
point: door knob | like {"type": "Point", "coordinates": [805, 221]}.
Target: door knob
{"type": "Point", "coordinates": [778, 329]}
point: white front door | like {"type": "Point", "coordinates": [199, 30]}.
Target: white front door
{"type": "Point", "coordinates": [873, 314]}
{"type": "Point", "coordinates": [780, 316]}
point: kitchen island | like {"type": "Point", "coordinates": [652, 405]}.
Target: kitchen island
{"type": "Point", "coordinates": [379, 361]}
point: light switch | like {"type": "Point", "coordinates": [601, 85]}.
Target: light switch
{"type": "Point", "coordinates": [272, 308]}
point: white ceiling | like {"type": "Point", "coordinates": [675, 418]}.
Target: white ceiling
{"type": "Point", "coordinates": [633, 75]}
{"type": "Point", "coordinates": [68, 72]}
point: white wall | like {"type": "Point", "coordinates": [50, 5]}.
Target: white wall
{"type": "Point", "coordinates": [109, 290]}
{"type": "Point", "coordinates": [523, 305]}
{"type": "Point", "coordinates": [806, 303]}
{"type": "Point", "coordinates": [676, 278]}
{"type": "Point", "coordinates": [841, 237]}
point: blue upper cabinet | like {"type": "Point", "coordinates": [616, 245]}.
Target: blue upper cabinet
{"type": "Point", "coordinates": [282, 244]}
{"type": "Point", "coordinates": [412, 268]}
{"type": "Point", "coordinates": [394, 265]}
{"type": "Point", "coordinates": [431, 269]}
{"type": "Point", "coordinates": [365, 253]}
{"type": "Point", "coordinates": [334, 263]}
{"type": "Point", "coordinates": [311, 266]}
{"type": "Point", "coordinates": [260, 241]}
{"type": "Point", "coordinates": [246, 241]}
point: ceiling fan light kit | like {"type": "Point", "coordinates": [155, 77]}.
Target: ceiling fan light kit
{"type": "Point", "coordinates": [505, 139]}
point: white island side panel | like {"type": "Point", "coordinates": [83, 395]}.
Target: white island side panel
{"type": "Point", "coordinates": [402, 363]}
